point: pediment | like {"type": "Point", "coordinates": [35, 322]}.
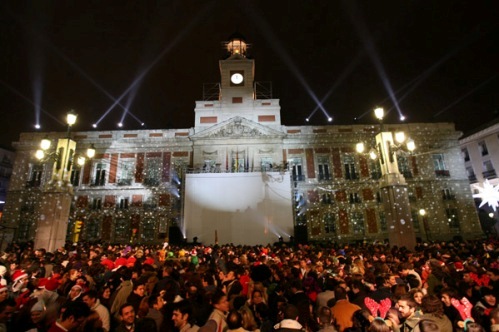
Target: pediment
{"type": "Point", "coordinates": [238, 127]}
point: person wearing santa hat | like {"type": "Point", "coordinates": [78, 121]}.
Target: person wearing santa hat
{"type": "Point", "coordinates": [3, 271]}
{"type": "Point", "coordinates": [19, 289]}
{"type": "Point", "coordinates": [19, 281]}
{"type": "Point", "coordinates": [75, 293]}
{"type": "Point", "coordinates": [50, 298]}
{"type": "Point", "coordinates": [4, 294]}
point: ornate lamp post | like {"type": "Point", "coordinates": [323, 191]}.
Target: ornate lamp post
{"type": "Point", "coordinates": [392, 183]}
{"type": "Point", "coordinates": [422, 213]}
{"type": "Point", "coordinates": [54, 208]}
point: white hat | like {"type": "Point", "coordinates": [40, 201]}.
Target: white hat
{"type": "Point", "coordinates": [3, 270]}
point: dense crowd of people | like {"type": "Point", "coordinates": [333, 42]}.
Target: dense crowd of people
{"type": "Point", "coordinates": [445, 286]}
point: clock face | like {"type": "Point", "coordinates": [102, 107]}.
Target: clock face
{"type": "Point", "coordinates": [237, 78]}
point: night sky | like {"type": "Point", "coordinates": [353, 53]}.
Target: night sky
{"type": "Point", "coordinates": [439, 58]}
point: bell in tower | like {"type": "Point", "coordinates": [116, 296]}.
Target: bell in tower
{"type": "Point", "coordinates": [236, 45]}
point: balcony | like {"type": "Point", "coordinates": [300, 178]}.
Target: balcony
{"type": "Point", "coordinates": [97, 183]}
{"type": "Point", "coordinates": [472, 178]}
{"type": "Point", "coordinates": [491, 174]}
{"type": "Point", "coordinates": [407, 174]}
{"type": "Point", "coordinates": [33, 184]}
{"type": "Point", "coordinates": [151, 182]}
{"type": "Point", "coordinates": [355, 200]}
{"type": "Point", "coordinates": [324, 177]}
{"type": "Point", "coordinates": [327, 201]}
{"type": "Point", "coordinates": [299, 177]}
{"type": "Point", "coordinates": [442, 173]}
{"type": "Point", "coordinates": [124, 182]}
{"type": "Point", "coordinates": [149, 206]}
{"type": "Point", "coordinates": [351, 176]}
{"type": "Point", "coordinates": [28, 208]}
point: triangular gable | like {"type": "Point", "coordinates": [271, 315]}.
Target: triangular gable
{"type": "Point", "coordinates": [238, 127]}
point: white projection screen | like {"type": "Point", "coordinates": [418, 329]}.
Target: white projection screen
{"type": "Point", "coordinates": [241, 208]}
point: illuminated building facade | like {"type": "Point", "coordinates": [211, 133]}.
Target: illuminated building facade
{"type": "Point", "coordinates": [6, 164]}
{"type": "Point", "coordinates": [135, 187]}
{"type": "Point", "coordinates": [480, 154]}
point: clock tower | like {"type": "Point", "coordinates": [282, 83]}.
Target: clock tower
{"type": "Point", "coordinates": [237, 72]}
{"type": "Point", "coordinates": [235, 96]}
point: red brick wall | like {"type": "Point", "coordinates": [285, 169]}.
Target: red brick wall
{"type": "Point", "coordinates": [139, 168]}
{"type": "Point", "coordinates": [309, 154]}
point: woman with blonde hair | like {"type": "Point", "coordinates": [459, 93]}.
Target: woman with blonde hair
{"type": "Point", "coordinates": [358, 266]}
{"type": "Point", "coordinates": [379, 325]}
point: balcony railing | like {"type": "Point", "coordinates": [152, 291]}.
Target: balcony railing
{"type": "Point", "coordinates": [149, 206]}
{"type": "Point", "coordinates": [324, 177]}
{"type": "Point", "coordinates": [407, 174]}
{"type": "Point", "coordinates": [351, 176]}
{"type": "Point", "coordinates": [124, 182]}
{"type": "Point", "coordinates": [442, 173]}
{"type": "Point", "coordinates": [490, 174]}
{"type": "Point", "coordinates": [472, 178]}
{"type": "Point", "coordinates": [33, 183]}
{"type": "Point", "coordinates": [151, 182]}
{"type": "Point", "coordinates": [299, 177]}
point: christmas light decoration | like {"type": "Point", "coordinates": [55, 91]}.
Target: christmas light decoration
{"type": "Point", "coordinates": [489, 194]}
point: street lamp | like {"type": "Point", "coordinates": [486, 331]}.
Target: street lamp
{"type": "Point", "coordinates": [422, 213]}
{"type": "Point", "coordinates": [392, 183]}
{"type": "Point", "coordinates": [64, 154]}
{"type": "Point", "coordinates": [54, 207]}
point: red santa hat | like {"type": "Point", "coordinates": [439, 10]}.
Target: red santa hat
{"type": "Point", "coordinates": [18, 275]}
{"type": "Point", "coordinates": [107, 263]}
{"type": "Point", "coordinates": [459, 266]}
{"type": "Point", "coordinates": [42, 282]}
{"type": "Point", "coordinates": [3, 288]}
{"type": "Point", "coordinates": [130, 262]}
{"type": "Point", "coordinates": [52, 284]}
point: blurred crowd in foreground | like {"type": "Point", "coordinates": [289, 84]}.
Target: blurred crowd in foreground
{"type": "Point", "coordinates": [445, 286]}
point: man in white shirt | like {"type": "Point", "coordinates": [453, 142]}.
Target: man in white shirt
{"type": "Point", "coordinates": [93, 302]}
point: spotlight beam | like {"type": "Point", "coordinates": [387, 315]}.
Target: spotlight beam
{"type": "Point", "coordinates": [418, 80]}
{"type": "Point", "coordinates": [427, 73]}
{"type": "Point", "coordinates": [276, 45]}
{"type": "Point", "coordinates": [19, 94]}
{"type": "Point", "coordinates": [366, 39]}
{"type": "Point", "coordinates": [478, 87]}
{"type": "Point", "coordinates": [37, 94]}
{"type": "Point", "coordinates": [66, 59]}
{"type": "Point", "coordinates": [140, 77]}
{"type": "Point", "coordinates": [136, 118]}
{"type": "Point", "coordinates": [36, 70]}
{"type": "Point", "coordinates": [344, 74]}
{"type": "Point", "coordinates": [85, 75]}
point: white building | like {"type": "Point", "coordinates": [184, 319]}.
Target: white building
{"type": "Point", "coordinates": [241, 176]}
{"type": "Point", "coordinates": [480, 152]}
